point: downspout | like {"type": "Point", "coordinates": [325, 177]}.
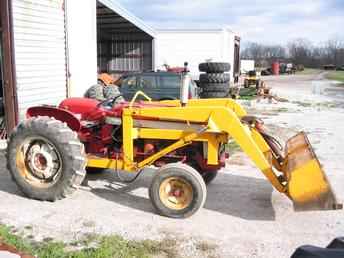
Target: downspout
{"type": "Point", "coordinates": [9, 72]}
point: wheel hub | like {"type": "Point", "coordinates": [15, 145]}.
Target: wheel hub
{"type": "Point", "coordinates": [42, 160]}
{"type": "Point", "coordinates": [176, 193]}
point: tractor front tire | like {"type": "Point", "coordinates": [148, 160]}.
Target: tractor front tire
{"type": "Point", "coordinates": [177, 191]}
{"type": "Point", "coordinates": [46, 159]}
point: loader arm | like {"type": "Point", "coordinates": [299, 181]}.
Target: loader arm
{"type": "Point", "coordinates": [219, 120]}
{"type": "Point", "coordinates": [300, 177]}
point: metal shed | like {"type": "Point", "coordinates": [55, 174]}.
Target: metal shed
{"type": "Point", "coordinates": [53, 49]}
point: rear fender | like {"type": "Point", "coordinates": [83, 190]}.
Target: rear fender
{"type": "Point", "coordinates": [59, 114]}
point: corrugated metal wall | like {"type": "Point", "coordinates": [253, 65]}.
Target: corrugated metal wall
{"type": "Point", "coordinates": [40, 52]}
{"type": "Point", "coordinates": [121, 53]}
{"type": "Point", "coordinates": [122, 46]}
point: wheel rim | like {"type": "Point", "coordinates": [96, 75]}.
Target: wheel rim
{"type": "Point", "coordinates": [39, 161]}
{"type": "Point", "coordinates": [176, 193]}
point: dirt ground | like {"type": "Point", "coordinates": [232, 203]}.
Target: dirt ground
{"type": "Point", "coordinates": [243, 215]}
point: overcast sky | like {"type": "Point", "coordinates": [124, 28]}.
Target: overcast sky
{"type": "Point", "coordinates": [267, 21]}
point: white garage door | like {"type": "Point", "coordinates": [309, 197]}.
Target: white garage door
{"type": "Point", "coordinates": [40, 52]}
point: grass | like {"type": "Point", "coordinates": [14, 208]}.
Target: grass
{"type": "Point", "coordinates": [282, 110]}
{"type": "Point", "coordinates": [336, 76]}
{"type": "Point", "coordinates": [249, 97]}
{"type": "Point", "coordinates": [309, 71]}
{"type": "Point", "coordinates": [94, 247]}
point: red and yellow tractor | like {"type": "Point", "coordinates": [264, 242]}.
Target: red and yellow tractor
{"type": "Point", "coordinates": [49, 152]}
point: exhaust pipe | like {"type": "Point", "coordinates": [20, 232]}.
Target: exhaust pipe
{"type": "Point", "coordinates": [185, 87]}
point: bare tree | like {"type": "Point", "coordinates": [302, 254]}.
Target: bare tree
{"type": "Point", "coordinates": [334, 49]}
{"type": "Point", "coordinates": [298, 51]}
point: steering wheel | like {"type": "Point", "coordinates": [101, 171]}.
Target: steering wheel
{"type": "Point", "coordinates": [108, 103]}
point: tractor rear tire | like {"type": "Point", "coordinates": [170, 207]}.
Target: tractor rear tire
{"type": "Point", "coordinates": [46, 159]}
{"type": "Point", "coordinates": [217, 87]}
{"type": "Point", "coordinates": [214, 95]}
{"type": "Point", "coordinates": [215, 67]}
{"type": "Point", "coordinates": [177, 191]}
{"type": "Point", "coordinates": [209, 176]}
{"type": "Point", "coordinates": [206, 78]}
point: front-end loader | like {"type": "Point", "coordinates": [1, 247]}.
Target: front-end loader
{"type": "Point", "coordinates": [49, 152]}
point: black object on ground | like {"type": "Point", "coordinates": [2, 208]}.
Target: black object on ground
{"type": "Point", "coordinates": [334, 250]}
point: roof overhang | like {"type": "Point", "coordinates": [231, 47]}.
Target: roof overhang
{"type": "Point", "coordinates": [121, 11]}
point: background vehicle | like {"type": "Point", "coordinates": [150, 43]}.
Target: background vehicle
{"type": "Point", "coordinates": [252, 78]}
{"type": "Point", "coordinates": [157, 85]}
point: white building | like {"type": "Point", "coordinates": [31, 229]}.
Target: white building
{"type": "Point", "coordinates": [53, 49]}
{"type": "Point", "coordinates": [246, 66]}
{"type": "Point", "coordinates": [174, 47]}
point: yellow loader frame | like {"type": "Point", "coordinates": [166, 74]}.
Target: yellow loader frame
{"type": "Point", "coordinates": [216, 121]}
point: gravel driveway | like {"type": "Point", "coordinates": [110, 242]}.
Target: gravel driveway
{"type": "Point", "coordinates": [243, 215]}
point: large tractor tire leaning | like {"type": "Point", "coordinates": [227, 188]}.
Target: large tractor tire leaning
{"type": "Point", "coordinates": [214, 95]}
{"type": "Point", "coordinates": [216, 87]}
{"type": "Point", "coordinates": [177, 191]}
{"type": "Point", "coordinates": [214, 78]}
{"type": "Point", "coordinates": [214, 67]}
{"type": "Point", "coordinates": [46, 159]}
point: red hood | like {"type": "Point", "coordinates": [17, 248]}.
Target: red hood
{"type": "Point", "coordinates": [79, 105]}
{"type": "Point", "coordinates": [89, 109]}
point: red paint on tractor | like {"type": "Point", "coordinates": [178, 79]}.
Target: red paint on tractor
{"type": "Point", "coordinates": [58, 114]}
{"type": "Point", "coordinates": [87, 118]}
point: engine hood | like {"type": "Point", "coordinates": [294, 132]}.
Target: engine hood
{"type": "Point", "coordinates": [80, 106]}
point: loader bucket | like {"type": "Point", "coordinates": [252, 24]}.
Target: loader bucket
{"type": "Point", "coordinates": [307, 183]}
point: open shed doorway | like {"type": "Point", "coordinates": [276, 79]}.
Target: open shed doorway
{"type": "Point", "coordinates": [8, 99]}
{"type": "Point", "coordinates": [123, 47]}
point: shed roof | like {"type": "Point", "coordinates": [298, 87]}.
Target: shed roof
{"type": "Point", "coordinates": [191, 30]}
{"type": "Point", "coordinates": [120, 10]}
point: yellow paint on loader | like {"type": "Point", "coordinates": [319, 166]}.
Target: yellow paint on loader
{"type": "Point", "coordinates": [299, 176]}
{"type": "Point", "coordinates": [308, 186]}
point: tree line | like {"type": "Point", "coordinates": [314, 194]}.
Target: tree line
{"type": "Point", "coordinates": [299, 51]}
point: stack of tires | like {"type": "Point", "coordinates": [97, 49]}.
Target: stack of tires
{"type": "Point", "coordinates": [215, 81]}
